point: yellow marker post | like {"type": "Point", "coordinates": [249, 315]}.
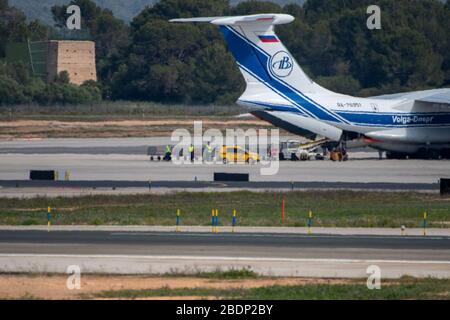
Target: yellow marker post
{"type": "Point", "coordinates": [425, 223]}
{"type": "Point", "coordinates": [49, 218]}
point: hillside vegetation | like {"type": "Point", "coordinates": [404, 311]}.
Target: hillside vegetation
{"type": "Point", "coordinates": [151, 59]}
{"type": "Point", "coordinates": [125, 10]}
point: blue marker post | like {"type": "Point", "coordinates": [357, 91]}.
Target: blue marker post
{"type": "Point", "coordinates": [233, 221]}
{"type": "Point", "coordinates": [177, 229]}
{"type": "Point", "coordinates": [310, 221]}
{"type": "Point", "coordinates": [424, 223]}
{"type": "Point", "coordinates": [49, 218]}
{"type": "Point", "coordinates": [213, 220]}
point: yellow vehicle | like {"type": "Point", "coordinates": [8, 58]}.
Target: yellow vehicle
{"type": "Point", "coordinates": [237, 154]}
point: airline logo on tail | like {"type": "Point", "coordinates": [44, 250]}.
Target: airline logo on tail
{"type": "Point", "coordinates": [281, 64]}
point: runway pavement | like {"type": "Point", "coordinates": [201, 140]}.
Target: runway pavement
{"type": "Point", "coordinates": [88, 145]}
{"type": "Point", "coordinates": [125, 159]}
{"type": "Point", "coordinates": [82, 146]}
{"type": "Point", "coordinates": [137, 252]}
{"type": "Point", "coordinates": [139, 168]}
{"type": "Point", "coordinates": [12, 186]}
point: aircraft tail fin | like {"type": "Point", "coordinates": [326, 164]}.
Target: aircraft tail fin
{"type": "Point", "coordinates": [266, 64]}
{"type": "Point", "coordinates": [274, 79]}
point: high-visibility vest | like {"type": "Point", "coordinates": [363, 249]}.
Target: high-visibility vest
{"type": "Point", "coordinates": [168, 149]}
{"type": "Point", "coordinates": [208, 148]}
{"type": "Point", "coordinates": [191, 148]}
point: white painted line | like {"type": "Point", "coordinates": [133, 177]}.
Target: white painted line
{"type": "Point", "coordinates": [412, 232]}
{"type": "Point", "coordinates": [275, 235]}
{"type": "Point", "coordinates": [204, 258]}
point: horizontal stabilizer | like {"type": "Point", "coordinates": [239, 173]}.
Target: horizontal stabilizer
{"type": "Point", "coordinates": [268, 18]}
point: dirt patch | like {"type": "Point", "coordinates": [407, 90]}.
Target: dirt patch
{"type": "Point", "coordinates": [174, 298]}
{"type": "Point", "coordinates": [128, 123]}
{"type": "Point", "coordinates": [32, 129]}
{"type": "Point", "coordinates": [54, 287]}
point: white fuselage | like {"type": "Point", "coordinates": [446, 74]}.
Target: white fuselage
{"type": "Point", "coordinates": [400, 125]}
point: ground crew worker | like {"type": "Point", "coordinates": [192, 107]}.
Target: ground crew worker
{"type": "Point", "coordinates": [191, 151]}
{"type": "Point", "coordinates": [208, 150]}
{"type": "Point", "coordinates": [168, 154]}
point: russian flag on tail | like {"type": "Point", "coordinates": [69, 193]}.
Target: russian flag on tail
{"type": "Point", "coordinates": [268, 39]}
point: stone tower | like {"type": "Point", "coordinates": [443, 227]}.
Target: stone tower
{"type": "Point", "coordinates": [75, 57]}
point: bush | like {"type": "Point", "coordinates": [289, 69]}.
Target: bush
{"type": "Point", "coordinates": [11, 92]}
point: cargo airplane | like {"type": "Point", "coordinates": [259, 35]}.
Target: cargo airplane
{"type": "Point", "coordinates": [414, 124]}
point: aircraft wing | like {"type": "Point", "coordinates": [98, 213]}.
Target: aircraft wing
{"type": "Point", "coordinates": [442, 97]}
{"type": "Point", "coordinates": [438, 96]}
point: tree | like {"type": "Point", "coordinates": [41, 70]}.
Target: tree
{"type": "Point", "coordinates": [168, 62]}
{"type": "Point", "coordinates": [62, 77]}
{"type": "Point", "coordinates": [345, 84]}
{"type": "Point", "coordinates": [170, 9]}
{"type": "Point", "coordinates": [156, 63]}
{"type": "Point", "coordinates": [255, 7]}
{"type": "Point", "coordinates": [13, 27]}
{"type": "Point", "coordinates": [10, 92]}
{"type": "Point", "coordinates": [213, 80]}
{"type": "Point", "coordinates": [411, 51]}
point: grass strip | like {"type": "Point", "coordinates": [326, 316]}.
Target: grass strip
{"type": "Point", "coordinates": [405, 288]}
{"type": "Point", "coordinates": [330, 209]}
